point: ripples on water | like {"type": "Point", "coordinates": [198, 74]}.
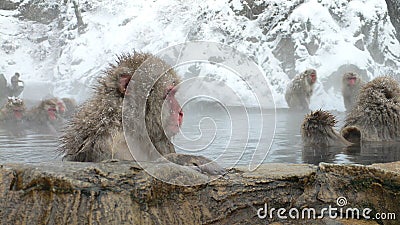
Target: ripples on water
{"type": "Point", "coordinates": [286, 145]}
{"type": "Point", "coordinates": [208, 131]}
{"type": "Point", "coordinates": [26, 146]}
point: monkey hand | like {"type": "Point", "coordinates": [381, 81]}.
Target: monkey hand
{"type": "Point", "coordinates": [198, 163]}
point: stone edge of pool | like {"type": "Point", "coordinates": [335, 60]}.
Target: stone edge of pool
{"type": "Point", "coordinates": [124, 193]}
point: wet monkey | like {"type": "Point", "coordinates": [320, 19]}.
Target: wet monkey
{"type": "Point", "coordinates": [300, 89]}
{"type": "Point", "coordinates": [375, 117]}
{"type": "Point", "coordinates": [13, 110]}
{"type": "Point", "coordinates": [45, 111]}
{"type": "Point", "coordinates": [88, 138]}
{"type": "Point", "coordinates": [45, 117]}
{"type": "Point", "coordinates": [351, 84]}
{"type": "Point", "coordinates": [317, 130]}
{"type": "Point", "coordinates": [95, 132]}
{"type": "Point", "coordinates": [376, 114]}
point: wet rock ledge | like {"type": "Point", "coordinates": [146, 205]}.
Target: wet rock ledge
{"type": "Point", "coordinates": [123, 193]}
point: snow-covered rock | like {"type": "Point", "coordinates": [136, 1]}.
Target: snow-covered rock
{"type": "Point", "coordinates": [40, 39]}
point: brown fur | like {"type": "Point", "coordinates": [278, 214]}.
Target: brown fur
{"type": "Point", "coordinates": [376, 115]}
{"type": "Point", "coordinates": [38, 118]}
{"type": "Point", "coordinates": [70, 107]}
{"type": "Point", "coordinates": [350, 92]}
{"type": "Point", "coordinates": [7, 113]}
{"type": "Point", "coordinates": [299, 90]}
{"type": "Point", "coordinates": [95, 133]}
{"type": "Point", "coordinates": [39, 113]}
{"type": "Point", "coordinates": [317, 130]}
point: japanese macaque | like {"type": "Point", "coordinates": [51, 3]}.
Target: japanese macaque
{"type": "Point", "coordinates": [300, 89]}
{"type": "Point", "coordinates": [376, 114]}
{"type": "Point", "coordinates": [96, 131]}
{"type": "Point", "coordinates": [13, 110]}
{"type": "Point", "coordinates": [351, 84]}
{"type": "Point", "coordinates": [45, 116]}
{"type": "Point", "coordinates": [61, 109]}
{"type": "Point", "coordinates": [65, 107]}
{"type": "Point", "coordinates": [70, 107]}
{"type": "Point", "coordinates": [317, 130]}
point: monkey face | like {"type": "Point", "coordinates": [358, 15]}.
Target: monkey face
{"type": "Point", "coordinates": [51, 110]}
{"type": "Point", "coordinates": [350, 79]}
{"type": "Point", "coordinates": [123, 83]}
{"type": "Point", "coordinates": [311, 75]}
{"type": "Point", "coordinates": [18, 113]}
{"type": "Point", "coordinates": [172, 112]}
{"type": "Point", "coordinates": [163, 105]}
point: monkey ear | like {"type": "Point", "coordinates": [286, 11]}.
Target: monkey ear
{"type": "Point", "coordinates": [123, 82]}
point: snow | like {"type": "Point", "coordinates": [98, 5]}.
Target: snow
{"type": "Point", "coordinates": [71, 61]}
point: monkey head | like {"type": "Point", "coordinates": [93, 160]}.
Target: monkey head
{"type": "Point", "coordinates": [311, 76]}
{"type": "Point", "coordinates": [317, 130]}
{"type": "Point", "coordinates": [163, 113]}
{"type": "Point", "coordinates": [17, 107]}
{"type": "Point", "coordinates": [350, 79]}
{"type": "Point", "coordinates": [317, 122]}
{"type": "Point", "coordinates": [49, 107]}
{"type": "Point", "coordinates": [375, 116]}
{"type": "Point", "coordinates": [383, 91]}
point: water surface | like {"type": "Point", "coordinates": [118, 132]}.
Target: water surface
{"type": "Point", "coordinates": [229, 135]}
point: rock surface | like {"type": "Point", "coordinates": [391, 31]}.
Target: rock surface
{"type": "Point", "coordinates": [394, 10]}
{"type": "Point", "coordinates": [123, 193]}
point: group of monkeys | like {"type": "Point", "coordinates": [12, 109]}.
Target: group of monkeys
{"type": "Point", "coordinates": [300, 89]}
{"type": "Point", "coordinates": [48, 116]}
{"type": "Point", "coordinates": [98, 130]}
{"type": "Point", "coordinates": [373, 111]}
{"type": "Point", "coordinates": [94, 131]}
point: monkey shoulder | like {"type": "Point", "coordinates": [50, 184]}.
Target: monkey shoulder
{"type": "Point", "coordinates": [298, 87]}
